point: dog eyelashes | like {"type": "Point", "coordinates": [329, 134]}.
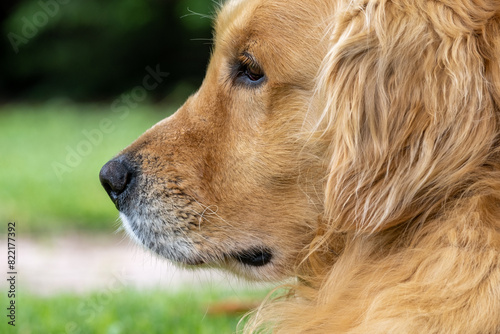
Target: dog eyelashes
{"type": "Point", "coordinates": [248, 71]}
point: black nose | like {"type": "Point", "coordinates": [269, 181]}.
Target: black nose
{"type": "Point", "coordinates": [115, 176]}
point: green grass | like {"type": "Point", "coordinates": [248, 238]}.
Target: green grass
{"type": "Point", "coordinates": [126, 311]}
{"type": "Point", "coordinates": [43, 187]}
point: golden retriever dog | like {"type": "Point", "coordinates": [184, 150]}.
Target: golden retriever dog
{"type": "Point", "coordinates": [351, 145]}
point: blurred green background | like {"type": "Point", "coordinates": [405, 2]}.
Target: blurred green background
{"type": "Point", "coordinates": [88, 50]}
{"type": "Point", "coordinates": [67, 65]}
{"type": "Point", "coordinates": [79, 81]}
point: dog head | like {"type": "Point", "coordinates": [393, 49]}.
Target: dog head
{"type": "Point", "coordinates": [229, 179]}
{"type": "Point", "coordinates": [316, 119]}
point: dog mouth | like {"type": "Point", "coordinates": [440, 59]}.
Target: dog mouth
{"type": "Point", "coordinates": [184, 252]}
{"type": "Point", "coordinates": [254, 257]}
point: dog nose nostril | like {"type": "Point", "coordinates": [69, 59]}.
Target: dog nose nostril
{"type": "Point", "coordinates": [115, 176]}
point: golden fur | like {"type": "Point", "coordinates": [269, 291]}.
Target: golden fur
{"type": "Point", "coordinates": [366, 163]}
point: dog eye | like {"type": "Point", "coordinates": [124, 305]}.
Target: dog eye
{"type": "Point", "coordinates": [248, 71]}
{"type": "Point", "coordinates": [253, 73]}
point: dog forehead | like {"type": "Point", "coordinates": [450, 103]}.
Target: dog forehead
{"type": "Point", "coordinates": [281, 34]}
{"type": "Point", "coordinates": [279, 18]}
{"type": "Point", "coordinates": [233, 14]}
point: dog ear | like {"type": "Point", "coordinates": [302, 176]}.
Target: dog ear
{"type": "Point", "coordinates": [408, 114]}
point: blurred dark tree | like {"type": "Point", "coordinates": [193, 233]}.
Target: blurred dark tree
{"type": "Point", "coordinates": [95, 50]}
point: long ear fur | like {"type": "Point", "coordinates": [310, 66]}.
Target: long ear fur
{"type": "Point", "coordinates": [411, 95]}
{"type": "Point", "coordinates": [412, 91]}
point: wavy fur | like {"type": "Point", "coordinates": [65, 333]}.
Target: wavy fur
{"type": "Point", "coordinates": [411, 104]}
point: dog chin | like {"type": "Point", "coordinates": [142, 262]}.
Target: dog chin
{"type": "Point", "coordinates": [179, 251]}
{"type": "Point", "coordinates": [253, 263]}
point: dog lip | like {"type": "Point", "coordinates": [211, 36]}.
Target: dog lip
{"type": "Point", "coordinates": [255, 257]}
